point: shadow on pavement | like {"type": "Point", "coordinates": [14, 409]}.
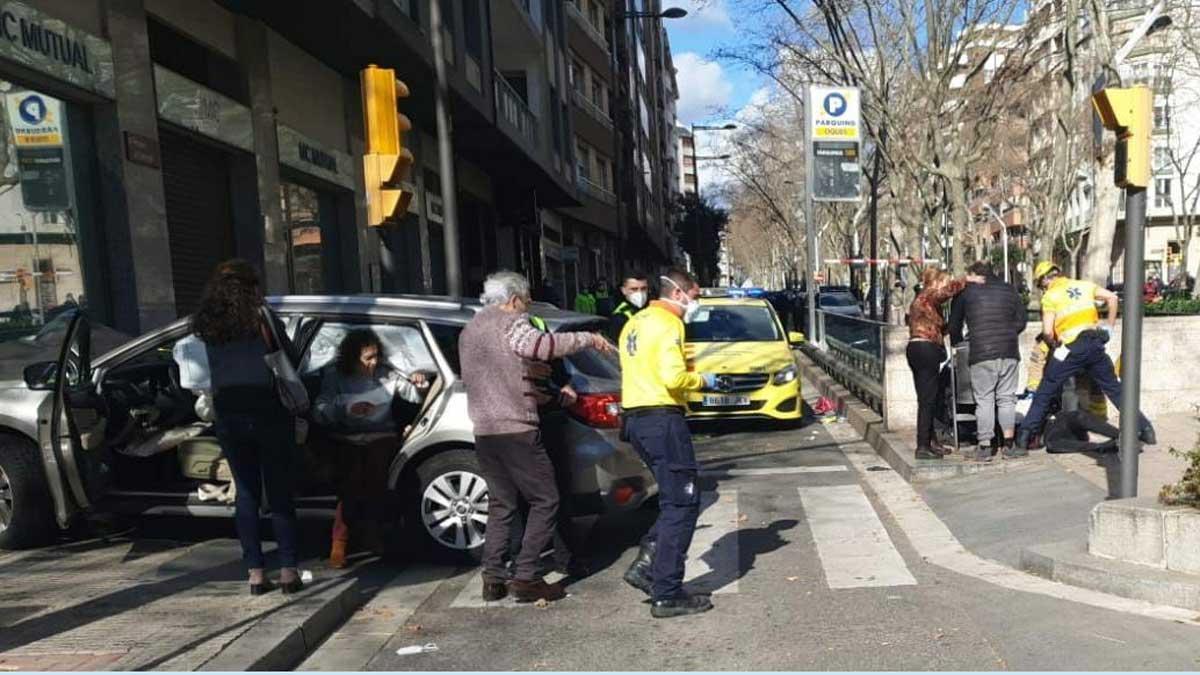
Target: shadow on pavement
{"type": "Point", "coordinates": [752, 542]}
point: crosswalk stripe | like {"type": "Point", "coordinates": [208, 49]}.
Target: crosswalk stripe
{"type": "Point", "coordinates": [472, 594]}
{"type": "Point", "coordinates": [713, 565]}
{"type": "Point", "coordinates": [775, 471]}
{"type": "Point", "coordinates": [854, 548]}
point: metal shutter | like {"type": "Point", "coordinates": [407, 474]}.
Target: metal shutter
{"type": "Point", "coordinates": [199, 214]}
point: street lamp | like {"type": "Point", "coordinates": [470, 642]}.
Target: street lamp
{"type": "Point", "coordinates": [695, 158]}
{"type": "Point", "coordinates": [670, 13]}
{"type": "Point", "coordinates": [1003, 236]}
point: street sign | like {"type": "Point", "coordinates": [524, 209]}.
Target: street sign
{"type": "Point", "coordinates": [834, 138]}
{"type": "Point", "coordinates": [38, 130]}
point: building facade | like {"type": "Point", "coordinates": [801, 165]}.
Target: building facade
{"type": "Point", "coordinates": [146, 140]}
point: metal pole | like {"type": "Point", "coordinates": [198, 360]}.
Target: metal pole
{"type": "Point", "coordinates": [1004, 243]}
{"type": "Point", "coordinates": [37, 272]}
{"type": "Point", "coordinates": [1131, 338]}
{"type": "Point", "coordinates": [446, 155]}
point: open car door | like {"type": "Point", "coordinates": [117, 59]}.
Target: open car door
{"type": "Point", "coordinates": [76, 423]}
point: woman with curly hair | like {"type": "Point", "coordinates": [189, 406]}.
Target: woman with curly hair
{"type": "Point", "coordinates": [257, 434]}
{"type": "Point", "coordinates": [357, 394]}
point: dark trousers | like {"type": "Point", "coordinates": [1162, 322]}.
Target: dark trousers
{"type": "Point", "coordinates": [924, 358]}
{"type": "Point", "coordinates": [554, 429]}
{"type": "Point", "coordinates": [1068, 432]}
{"type": "Point", "coordinates": [1086, 355]}
{"type": "Point", "coordinates": [261, 449]}
{"type": "Point", "coordinates": [665, 444]}
{"type": "Point", "coordinates": [517, 467]}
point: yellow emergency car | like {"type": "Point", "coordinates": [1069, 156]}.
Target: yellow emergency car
{"type": "Point", "coordinates": [743, 342]}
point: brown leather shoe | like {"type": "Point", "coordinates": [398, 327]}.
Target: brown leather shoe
{"type": "Point", "coordinates": [494, 590]}
{"type": "Point", "coordinates": [532, 591]}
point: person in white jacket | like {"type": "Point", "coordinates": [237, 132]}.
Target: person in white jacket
{"type": "Point", "coordinates": [358, 391]}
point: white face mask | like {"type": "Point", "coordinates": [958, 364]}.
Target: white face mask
{"type": "Point", "coordinates": [637, 299]}
{"type": "Point", "coordinates": [689, 308]}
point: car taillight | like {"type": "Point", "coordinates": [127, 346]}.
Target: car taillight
{"type": "Point", "coordinates": [598, 410]}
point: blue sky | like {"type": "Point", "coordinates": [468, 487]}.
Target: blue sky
{"type": "Point", "coordinates": [709, 90]}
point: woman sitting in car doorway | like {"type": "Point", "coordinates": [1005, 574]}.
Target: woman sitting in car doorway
{"type": "Point", "coordinates": [357, 402]}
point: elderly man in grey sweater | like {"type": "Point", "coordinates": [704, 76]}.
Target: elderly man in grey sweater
{"type": "Point", "coordinates": [496, 350]}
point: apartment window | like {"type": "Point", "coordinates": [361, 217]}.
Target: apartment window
{"type": "Point", "coordinates": [583, 161]}
{"type": "Point", "coordinates": [575, 74]}
{"type": "Point", "coordinates": [598, 96]}
{"type": "Point", "coordinates": [1162, 116]}
{"type": "Point", "coordinates": [596, 15]}
{"type": "Point", "coordinates": [473, 27]}
{"type": "Point", "coordinates": [1162, 192]}
{"type": "Point", "coordinates": [556, 123]}
{"type": "Point", "coordinates": [1162, 160]}
{"type": "Point", "coordinates": [605, 175]}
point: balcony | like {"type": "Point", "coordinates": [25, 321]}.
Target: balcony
{"type": "Point", "coordinates": [587, 27]}
{"type": "Point", "coordinates": [582, 100]}
{"type": "Point", "coordinates": [595, 191]}
{"type": "Point", "coordinates": [514, 114]}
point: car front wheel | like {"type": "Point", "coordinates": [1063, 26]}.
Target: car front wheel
{"type": "Point", "coordinates": [450, 503]}
{"type": "Point", "coordinates": [26, 513]}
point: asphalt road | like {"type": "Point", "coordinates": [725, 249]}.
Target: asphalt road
{"type": "Point", "coordinates": [810, 571]}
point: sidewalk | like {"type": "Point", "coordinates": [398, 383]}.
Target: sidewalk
{"type": "Point", "coordinates": [1033, 513]}
{"type": "Point", "coordinates": [157, 604]}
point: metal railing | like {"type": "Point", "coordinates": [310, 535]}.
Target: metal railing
{"type": "Point", "coordinates": [850, 349]}
{"type": "Point", "coordinates": [583, 101]}
{"type": "Point", "coordinates": [513, 110]}
{"type": "Point", "coordinates": [586, 25]}
{"type": "Point", "coordinates": [594, 190]}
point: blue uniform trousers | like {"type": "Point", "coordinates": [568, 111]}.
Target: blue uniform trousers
{"type": "Point", "coordinates": [663, 441]}
{"type": "Point", "coordinates": [1086, 355]}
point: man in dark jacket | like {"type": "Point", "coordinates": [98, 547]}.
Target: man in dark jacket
{"type": "Point", "coordinates": [994, 317]}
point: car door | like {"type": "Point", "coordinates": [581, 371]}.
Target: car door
{"type": "Point", "coordinates": [75, 416]}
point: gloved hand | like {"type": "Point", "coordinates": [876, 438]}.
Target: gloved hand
{"type": "Point", "coordinates": [710, 380]}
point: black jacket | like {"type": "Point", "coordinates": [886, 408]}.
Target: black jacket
{"type": "Point", "coordinates": [995, 316]}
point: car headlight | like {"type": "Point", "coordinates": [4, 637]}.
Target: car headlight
{"type": "Point", "coordinates": [786, 375]}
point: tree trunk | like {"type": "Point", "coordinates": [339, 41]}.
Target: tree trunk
{"type": "Point", "coordinates": [1097, 263]}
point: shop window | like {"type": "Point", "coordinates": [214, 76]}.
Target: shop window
{"type": "Point", "coordinates": [302, 215]}
{"type": "Point", "coordinates": [41, 270]}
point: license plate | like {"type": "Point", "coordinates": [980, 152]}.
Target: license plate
{"type": "Point", "coordinates": [725, 401]}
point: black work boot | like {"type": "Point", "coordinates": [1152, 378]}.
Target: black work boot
{"type": "Point", "coordinates": [925, 452]}
{"type": "Point", "coordinates": [680, 606]}
{"type": "Point", "coordinates": [639, 573]}
{"type": "Point", "coordinates": [1147, 436]}
{"type": "Point", "coordinates": [494, 589]}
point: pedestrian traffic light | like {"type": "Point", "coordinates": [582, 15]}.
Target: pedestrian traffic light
{"type": "Point", "coordinates": [1128, 112]}
{"type": "Point", "coordinates": [387, 163]}
{"type": "Point", "coordinates": [24, 278]}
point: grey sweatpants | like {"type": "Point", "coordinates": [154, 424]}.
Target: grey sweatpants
{"type": "Point", "coordinates": [995, 385]}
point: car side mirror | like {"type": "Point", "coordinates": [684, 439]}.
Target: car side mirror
{"type": "Point", "coordinates": [41, 376]}
{"type": "Point", "coordinates": [795, 337]}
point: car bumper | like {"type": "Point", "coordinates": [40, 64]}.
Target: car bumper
{"type": "Point", "coordinates": [778, 402]}
{"type": "Point", "coordinates": [607, 476]}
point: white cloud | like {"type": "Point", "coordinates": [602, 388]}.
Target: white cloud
{"type": "Point", "coordinates": [702, 15]}
{"type": "Point", "coordinates": [704, 87]}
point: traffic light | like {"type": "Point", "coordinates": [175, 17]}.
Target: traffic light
{"type": "Point", "coordinates": [24, 278]}
{"type": "Point", "coordinates": [387, 163]}
{"type": "Point", "coordinates": [1128, 112]}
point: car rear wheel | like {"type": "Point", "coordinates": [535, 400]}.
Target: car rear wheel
{"type": "Point", "coordinates": [449, 508]}
{"type": "Point", "coordinates": [26, 513]}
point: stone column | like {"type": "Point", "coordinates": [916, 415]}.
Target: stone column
{"type": "Point", "coordinates": [251, 39]}
{"type": "Point", "coordinates": [140, 254]}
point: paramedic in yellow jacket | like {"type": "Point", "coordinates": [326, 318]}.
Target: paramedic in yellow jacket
{"type": "Point", "coordinates": [654, 384]}
{"type": "Point", "coordinates": [1070, 320]}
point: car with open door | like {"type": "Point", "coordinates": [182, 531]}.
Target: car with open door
{"type": "Point", "coordinates": [119, 433]}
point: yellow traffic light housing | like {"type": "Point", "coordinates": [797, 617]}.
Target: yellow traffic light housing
{"type": "Point", "coordinates": [1128, 113]}
{"type": "Point", "coordinates": [387, 163]}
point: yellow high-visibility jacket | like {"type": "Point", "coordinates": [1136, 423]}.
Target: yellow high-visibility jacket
{"type": "Point", "coordinates": [653, 369]}
{"type": "Point", "coordinates": [1074, 305]}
